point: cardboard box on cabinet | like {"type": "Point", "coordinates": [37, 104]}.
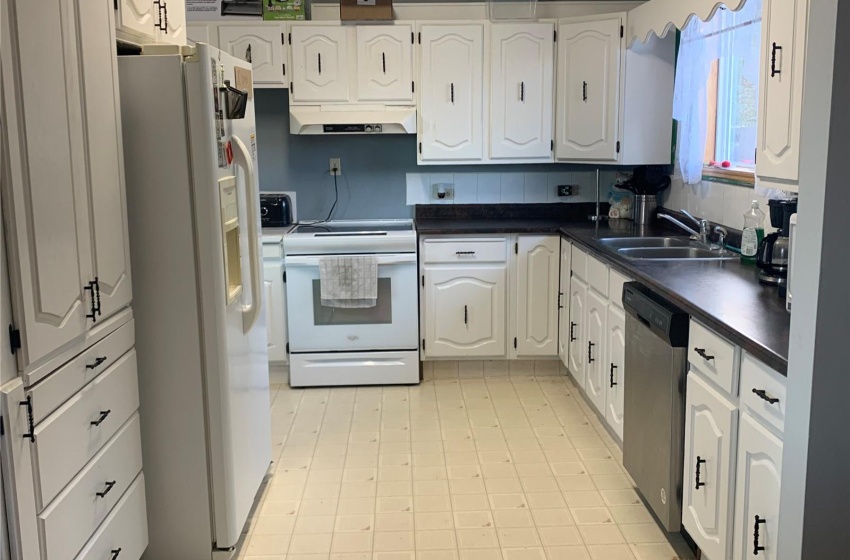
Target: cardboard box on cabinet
{"type": "Point", "coordinates": [279, 10]}
{"type": "Point", "coordinates": [366, 10]}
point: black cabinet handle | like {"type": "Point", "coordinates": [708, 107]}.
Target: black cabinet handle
{"type": "Point", "coordinates": [97, 293]}
{"type": "Point", "coordinates": [465, 315]}
{"type": "Point", "coordinates": [756, 546]}
{"type": "Point", "coordinates": [522, 91]}
{"type": "Point", "coordinates": [764, 396]}
{"type": "Point", "coordinates": [773, 70]}
{"type": "Point", "coordinates": [464, 252]}
{"type": "Point", "coordinates": [613, 367]}
{"type": "Point", "coordinates": [452, 91]}
{"type": "Point", "coordinates": [115, 553]}
{"type": "Point", "coordinates": [319, 58]}
{"type": "Point", "coordinates": [90, 287]}
{"type": "Point", "coordinates": [106, 490]}
{"type": "Point", "coordinates": [700, 461]}
{"type": "Point", "coordinates": [584, 91]}
{"type": "Point", "coordinates": [590, 346]}
{"type": "Point", "coordinates": [30, 420]}
{"type": "Point", "coordinates": [572, 331]}
{"type": "Point", "coordinates": [560, 295]}
{"type": "Point", "coordinates": [703, 354]}
{"type": "Point", "coordinates": [248, 56]}
{"type": "Point", "coordinates": [101, 418]}
{"type": "Point", "coordinates": [165, 9]}
{"type": "Point", "coordinates": [99, 360]}
{"type": "Point", "coordinates": [384, 62]}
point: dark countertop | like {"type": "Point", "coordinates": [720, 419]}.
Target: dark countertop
{"type": "Point", "coordinates": [725, 295]}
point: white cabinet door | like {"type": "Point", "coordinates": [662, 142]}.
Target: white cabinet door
{"type": "Point", "coordinates": [275, 310]}
{"type": "Point", "coordinates": [588, 89]}
{"type": "Point", "coordinates": [596, 332]}
{"type": "Point", "coordinates": [104, 147]}
{"type": "Point", "coordinates": [615, 386]}
{"type": "Point", "coordinates": [451, 101]}
{"type": "Point", "coordinates": [385, 63]}
{"type": "Point", "coordinates": [538, 269]}
{"type": "Point", "coordinates": [138, 17]}
{"type": "Point", "coordinates": [320, 63]}
{"type": "Point", "coordinates": [711, 423]}
{"type": "Point", "coordinates": [465, 311]}
{"type": "Point", "coordinates": [564, 304]}
{"type": "Point", "coordinates": [781, 89]}
{"type": "Point", "coordinates": [45, 184]}
{"type": "Point", "coordinates": [521, 73]}
{"type": "Point", "coordinates": [261, 45]}
{"type": "Point", "coordinates": [757, 487]}
{"type": "Point", "coordinates": [576, 329]}
{"type": "Point", "coordinates": [201, 33]}
{"type": "Point", "coordinates": [172, 28]}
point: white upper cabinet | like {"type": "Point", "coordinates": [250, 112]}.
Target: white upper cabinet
{"type": "Point", "coordinates": [615, 347]}
{"type": "Point", "coordinates": [588, 88]}
{"type": "Point", "coordinates": [521, 75]}
{"type": "Point", "coordinates": [576, 329]}
{"type": "Point", "coordinates": [451, 108]}
{"type": "Point", "coordinates": [138, 17]}
{"type": "Point", "coordinates": [385, 63]}
{"type": "Point", "coordinates": [538, 270]}
{"type": "Point", "coordinates": [152, 21]}
{"type": "Point", "coordinates": [261, 45]}
{"type": "Point", "coordinates": [320, 63]}
{"type": "Point", "coordinates": [564, 304]}
{"type": "Point", "coordinates": [781, 89]}
{"type": "Point", "coordinates": [595, 334]}
{"type": "Point", "coordinates": [172, 27]}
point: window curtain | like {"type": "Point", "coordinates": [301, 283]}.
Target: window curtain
{"type": "Point", "coordinates": [701, 43]}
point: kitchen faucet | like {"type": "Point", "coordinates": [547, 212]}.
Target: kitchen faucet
{"type": "Point", "coordinates": [704, 233]}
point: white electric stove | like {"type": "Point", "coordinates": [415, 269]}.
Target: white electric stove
{"type": "Point", "coordinates": [365, 346]}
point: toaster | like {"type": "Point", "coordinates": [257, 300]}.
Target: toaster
{"type": "Point", "coordinates": [275, 210]}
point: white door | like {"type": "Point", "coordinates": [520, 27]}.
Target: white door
{"type": "Point", "coordinates": [465, 311]}
{"type": "Point", "coordinates": [521, 72]}
{"type": "Point", "coordinates": [757, 487]}
{"type": "Point", "coordinates": [564, 304]}
{"type": "Point", "coordinates": [588, 89]}
{"type": "Point", "coordinates": [781, 89]}
{"type": "Point", "coordinates": [319, 63]}
{"type": "Point", "coordinates": [451, 102]}
{"type": "Point", "coordinates": [385, 63]}
{"type": "Point", "coordinates": [576, 329]}
{"type": "Point", "coordinates": [261, 45]}
{"type": "Point", "coordinates": [45, 185]}
{"type": "Point", "coordinates": [104, 147]}
{"type": "Point", "coordinates": [711, 423]}
{"type": "Point", "coordinates": [275, 310]}
{"type": "Point", "coordinates": [138, 17]}
{"type": "Point", "coordinates": [172, 28]}
{"type": "Point", "coordinates": [538, 269]}
{"type": "Point", "coordinates": [615, 347]}
{"type": "Point", "coordinates": [596, 333]}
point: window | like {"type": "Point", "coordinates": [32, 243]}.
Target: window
{"type": "Point", "coordinates": [716, 103]}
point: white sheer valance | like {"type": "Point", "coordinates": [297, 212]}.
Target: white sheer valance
{"type": "Point", "coordinates": [661, 16]}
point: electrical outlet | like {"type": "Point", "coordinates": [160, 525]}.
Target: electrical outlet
{"type": "Point", "coordinates": [442, 191]}
{"type": "Point", "coordinates": [335, 167]}
{"type": "Point", "coordinates": [567, 190]}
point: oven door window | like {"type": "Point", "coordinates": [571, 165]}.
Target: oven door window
{"type": "Point", "coordinates": [381, 314]}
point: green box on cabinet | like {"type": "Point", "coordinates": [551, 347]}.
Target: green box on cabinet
{"type": "Point", "coordinates": [284, 10]}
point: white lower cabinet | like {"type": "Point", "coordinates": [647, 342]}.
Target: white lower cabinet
{"type": "Point", "coordinates": [711, 426]}
{"type": "Point", "coordinates": [576, 330]}
{"type": "Point", "coordinates": [537, 279]}
{"type": "Point", "coordinates": [615, 386]}
{"type": "Point", "coordinates": [596, 333]}
{"type": "Point", "coordinates": [275, 293]}
{"type": "Point", "coordinates": [564, 304]}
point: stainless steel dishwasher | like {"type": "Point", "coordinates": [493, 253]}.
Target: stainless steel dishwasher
{"type": "Point", "coordinates": [654, 408]}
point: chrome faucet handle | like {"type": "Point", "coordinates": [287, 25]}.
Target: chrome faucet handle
{"type": "Point", "coordinates": [721, 237]}
{"type": "Point", "coordinates": [691, 216]}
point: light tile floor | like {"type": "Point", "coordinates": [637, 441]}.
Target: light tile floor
{"type": "Point", "coordinates": [502, 468]}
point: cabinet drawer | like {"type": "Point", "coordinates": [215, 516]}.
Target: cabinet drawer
{"type": "Point", "coordinates": [759, 386]}
{"type": "Point", "coordinates": [578, 262]}
{"type": "Point", "coordinates": [77, 512]}
{"type": "Point", "coordinates": [462, 250]}
{"type": "Point", "coordinates": [597, 275]}
{"type": "Point", "coordinates": [126, 528]}
{"type": "Point", "coordinates": [62, 384]}
{"type": "Point", "coordinates": [615, 287]}
{"type": "Point", "coordinates": [69, 437]}
{"type": "Point", "coordinates": [714, 357]}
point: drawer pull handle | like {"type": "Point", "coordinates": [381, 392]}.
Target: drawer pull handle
{"type": "Point", "coordinates": [30, 421]}
{"type": "Point", "coordinates": [464, 252]}
{"type": "Point", "coordinates": [572, 331]}
{"type": "Point", "coordinates": [115, 553]}
{"type": "Point", "coordinates": [700, 461]}
{"type": "Point", "coordinates": [613, 367]}
{"type": "Point", "coordinates": [756, 546]}
{"type": "Point", "coordinates": [590, 346]}
{"type": "Point", "coordinates": [465, 315]}
{"type": "Point", "coordinates": [560, 295]}
{"type": "Point", "coordinates": [103, 415]}
{"type": "Point", "coordinates": [97, 362]}
{"type": "Point", "coordinates": [764, 396]}
{"type": "Point", "coordinates": [703, 354]}
{"type": "Point", "coordinates": [106, 491]}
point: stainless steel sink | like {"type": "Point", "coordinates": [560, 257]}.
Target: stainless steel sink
{"type": "Point", "coordinates": [643, 242]}
{"type": "Point", "coordinates": [674, 253]}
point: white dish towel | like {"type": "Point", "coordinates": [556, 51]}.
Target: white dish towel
{"type": "Point", "coordinates": [349, 281]}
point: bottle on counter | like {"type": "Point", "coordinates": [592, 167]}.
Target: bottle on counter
{"type": "Point", "coordinates": [753, 233]}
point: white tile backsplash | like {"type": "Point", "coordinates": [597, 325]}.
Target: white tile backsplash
{"type": "Point", "coordinates": [536, 185]}
{"type": "Point", "coordinates": [720, 203]}
{"type": "Point", "coordinates": [489, 188]}
{"type": "Point", "coordinates": [418, 188]}
{"type": "Point", "coordinates": [466, 188]}
{"type": "Point", "coordinates": [513, 186]}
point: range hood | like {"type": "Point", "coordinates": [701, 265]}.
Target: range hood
{"type": "Point", "coordinates": [352, 119]}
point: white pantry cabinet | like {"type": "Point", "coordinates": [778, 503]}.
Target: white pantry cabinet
{"type": "Point", "coordinates": [151, 21]}
{"type": "Point", "coordinates": [64, 204]}
{"type": "Point", "coordinates": [781, 92]}
{"type": "Point", "coordinates": [595, 334]}
{"type": "Point", "coordinates": [564, 304]}
{"type": "Point", "coordinates": [615, 346]}
{"type": "Point", "coordinates": [589, 58]}
{"type": "Point", "coordinates": [711, 427]}
{"type": "Point", "coordinates": [576, 331]}
{"type": "Point", "coordinates": [537, 284]}
{"type": "Point", "coordinates": [451, 101]}
{"type": "Point", "coordinates": [385, 63]}
{"type": "Point", "coordinates": [320, 63]}
{"type": "Point", "coordinates": [521, 90]}
{"type": "Point", "coordinates": [264, 46]}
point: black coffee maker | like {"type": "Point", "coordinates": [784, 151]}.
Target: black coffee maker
{"type": "Point", "coordinates": [772, 256]}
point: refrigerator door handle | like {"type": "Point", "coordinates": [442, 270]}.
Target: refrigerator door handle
{"type": "Point", "coordinates": [242, 158]}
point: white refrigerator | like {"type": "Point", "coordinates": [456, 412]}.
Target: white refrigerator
{"type": "Point", "coordinates": [194, 225]}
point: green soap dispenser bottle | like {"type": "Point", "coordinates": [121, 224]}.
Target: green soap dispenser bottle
{"type": "Point", "coordinates": [753, 233]}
